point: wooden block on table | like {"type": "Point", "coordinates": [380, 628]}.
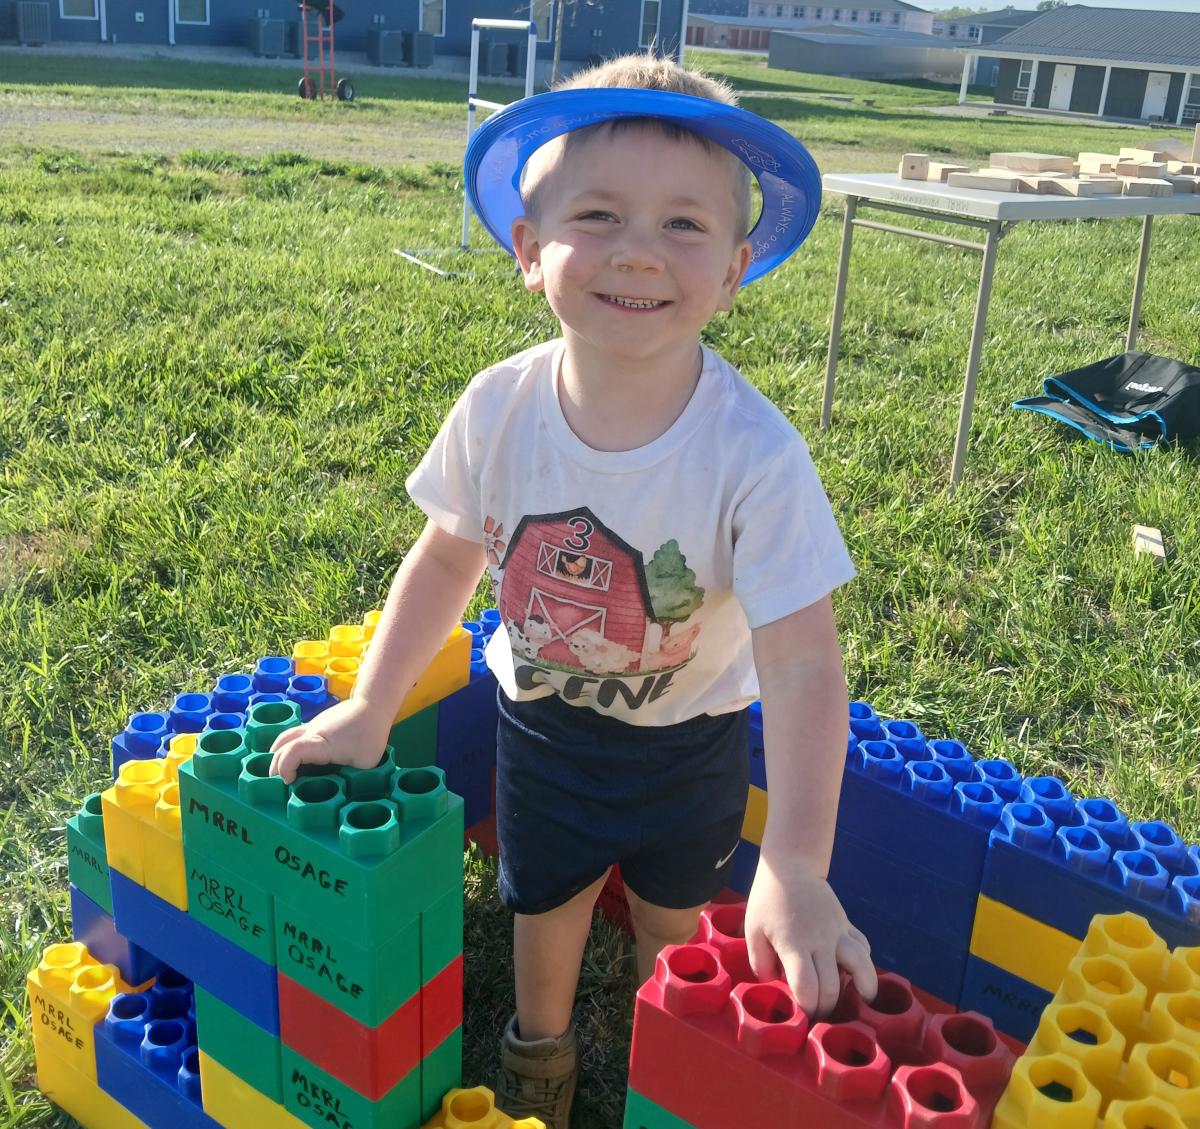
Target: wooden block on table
{"type": "Point", "coordinates": [1145, 151]}
{"type": "Point", "coordinates": [1032, 162]}
{"type": "Point", "coordinates": [986, 180]}
{"type": "Point", "coordinates": [1107, 185]}
{"type": "Point", "coordinates": [1169, 146]}
{"type": "Point", "coordinates": [1035, 182]}
{"type": "Point", "coordinates": [1184, 183]}
{"type": "Point", "coordinates": [1148, 542]}
{"type": "Point", "coordinates": [914, 166]}
{"type": "Point", "coordinates": [939, 171]}
{"type": "Point", "coordinates": [1098, 162]}
{"type": "Point", "coordinates": [1140, 168]}
{"type": "Point", "coordinates": [1076, 186]}
{"type": "Point", "coordinates": [1196, 144]}
{"type": "Point", "coordinates": [1145, 186]}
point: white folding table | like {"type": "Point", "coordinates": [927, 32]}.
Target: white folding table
{"type": "Point", "coordinates": [995, 214]}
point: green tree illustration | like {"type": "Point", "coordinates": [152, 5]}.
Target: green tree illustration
{"type": "Point", "coordinates": [674, 594]}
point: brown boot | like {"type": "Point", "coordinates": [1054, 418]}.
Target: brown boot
{"type": "Point", "coordinates": [537, 1078]}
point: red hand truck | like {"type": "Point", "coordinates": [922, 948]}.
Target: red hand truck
{"type": "Point", "coordinates": [317, 18]}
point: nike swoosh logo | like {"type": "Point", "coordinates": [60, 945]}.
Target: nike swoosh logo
{"type": "Point", "coordinates": [727, 857]}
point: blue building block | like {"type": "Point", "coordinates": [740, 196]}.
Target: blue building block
{"type": "Point", "coordinates": [466, 743]}
{"type": "Point", "coordinates": [1064, 872]}
{"type": "Point", "coordinates": [925, 959]}
{"type": "Point", "coordinates": [1013, 1005]}
{"type": "Point", "coordinates": [220, 967]}
{"type": "Point", "coordinates": [92, 925]}
{"type": "Point", "coordinates": [150, 1065]}
{"type": "Point", "coordinates": [140, 739]}
{"type": "Point", "coordinates": [758, 752]}
{"type": "Point", "coordinates": [912, 895]}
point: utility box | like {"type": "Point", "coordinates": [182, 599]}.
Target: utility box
{"type": "Point", "coordinates": [268, 38]}
{"type": "Point", "coordinates": [33, 22]}
{"type": "Point", "coordinates": [386, 48]}
{"type": "Point", "coordinates": [8, 27]}
{"type": "Point", "coordinates": [418, 49]}
{"type": "Point", "coordinates": [292, 44]}
{"type": "Point", "coordinates": [493, 59]}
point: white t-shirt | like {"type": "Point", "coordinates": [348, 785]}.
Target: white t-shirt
{"type": "Point", "coordinates": [628, 581]}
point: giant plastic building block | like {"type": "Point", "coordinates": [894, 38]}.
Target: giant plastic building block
{"type": "Point", "coordinates": [147, 1059]}
{"type": "Point", "coordinates": [642, 1113]}
{"type": "Point", "coordinates": [87, 859]}
{"type": "Point", "coordinates": [449, 671]}
{"type": "Point", "coordinates": [230, 903]}
{"type": "Point", "coordinates": [441, 1070]}
{"type": "Point", "coordinates": [716, 1048]}
{"type": "Point", "coordinates": [1061, 861]}
{"type": "Point", "coordinates": [476, 1109]}
{"type": "Point", "coordinates": [1119, 1042]}
{"type": "Point", "coordinates": [1011, 940]}
{"type": "Point", "coordinates": [366, 849]}
{"type": "Point", "coordinates": [69, 993]}
{"type": "Point", "coordinates": [234, 1103]}
{"type": "Point", "coordinates": [239, 1045]}
{"type": "Point", "coordinates": [98, 932]}
{"type": "Point", "coordinates": [81, 1096]}
{"type": "Point", "coordinates": [318, 1099]}
{"type": "Point", "coordinates": [204, 957]}
{"type": "Point", "coordinates": [1013, 1004]}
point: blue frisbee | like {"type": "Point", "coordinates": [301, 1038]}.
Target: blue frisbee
{"type": "Point", "coordinates": [786, 172]}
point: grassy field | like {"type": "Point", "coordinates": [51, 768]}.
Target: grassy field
{"type": "Point", "coordinates": [215, 373]}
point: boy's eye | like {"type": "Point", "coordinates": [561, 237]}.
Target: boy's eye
{"type": "Point", "coordinates": [596, 215]}
{"type": "Point", "coordinates": [681, 223]}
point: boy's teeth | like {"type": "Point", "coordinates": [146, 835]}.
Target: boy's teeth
{"type": "Point", "coordinates": [634, 303]}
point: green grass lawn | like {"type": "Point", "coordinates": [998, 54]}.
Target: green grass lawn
{"type": "Point", "coordinates": [215, 374]}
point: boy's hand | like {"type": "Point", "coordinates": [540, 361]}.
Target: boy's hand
{"type": "Point", "coordinates": [795, 922]}
{"type": "Point", "coordinates": [348, 733]}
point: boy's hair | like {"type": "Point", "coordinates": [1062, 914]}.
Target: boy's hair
{"type": "Point", "coordinates": [642, 72]}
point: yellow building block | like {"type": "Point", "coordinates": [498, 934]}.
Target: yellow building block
{"type": "Point", "coordinates": [180, 749]}
{"type": "Point", "coordinates": [127, 805]}
{"type": "Point", "coordinates": [1130, 940]}
{"type": "Point", "coordinates": [346, 641]}
{"type": "Point", "coordinates": [1048, 1092]}
{"type": "Point", "coordinates": [234, 1103]}
{"type": "Point", "coordinates": [81, 1096]}
{"type": "Point", "coordinates": [340, 675]}
{"type": "Point", "coordinates": [450, 670]}
{"type": "Point", "coordinates": [370, 622]}
{"type": "Point", "coordinates": [1175, 1015]}
{"type": "Point", "coordinates": [310, 656]}
{"type": "Point", "coordinates": [69, 993]}
{"type": "Point", "coordinates": [476, 1109]}
{"type": "Point", "coordinates": [755, 822]}
{"type": "Point", "coordinates": [164, 871]}
{"type": "Point", "coordinates": [1081, 1032]}
{"type": "Point", "coordinates": [1036, 952]}
{"type": "Point", "coordinates": [1107, 983]}
{"type": "Point", "coordinates": [1167, 1071]}
{"type": "Point", "coordinates": [1145, 1114]}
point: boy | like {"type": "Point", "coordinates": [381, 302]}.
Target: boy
{"type": "Point", "coordinates": [655, 532]}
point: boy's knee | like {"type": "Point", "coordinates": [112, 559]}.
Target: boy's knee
{"type": "Point", "coordinates": [674, 926]}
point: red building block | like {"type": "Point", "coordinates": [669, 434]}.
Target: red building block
{"type": "Point", "coordinates": [441, 1006]}
{"type": "Point", "coordinates": [722, 1051]}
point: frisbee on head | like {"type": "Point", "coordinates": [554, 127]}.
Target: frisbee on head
{"type": "Point", "coordinates": [786, 173]}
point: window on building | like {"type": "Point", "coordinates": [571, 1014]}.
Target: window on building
{"type": "Point", "coordinates": [854, 15]}
{"type": "Point", "coordinates": [896, 18]}
{"type": "Point", "coordinates": [539, 12]}
{"type": "Point", "coordinates": [1191, 108]}
{"type": "Point", "coordinates": [837, 15]}
{"type": "Point", "coordinates": [779, 11]}
{"type": "Point", "coordinates": [1025, 74]}
{"type": "Point", "coordinates": [649, 23]}
{"type": "Point", "coordinates": [952, 31]}
{"type": "Point", "coordinates": [797, 12]}
{"type": "Point", "coordinates": [875, 17]}
{"type": "Point", "coordinates": [191, 11]}
{"type": "Point", "coordinates": [433, 16]}
{"type": "Point", "coordinates": [78, 10]}
{"type": "Point", "coordinates": [818, 13]}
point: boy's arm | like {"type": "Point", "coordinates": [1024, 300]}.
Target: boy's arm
{"type": "Point", "coordinates": [793, 919]}
{"type": "Point", "coordinates": [427, 597]}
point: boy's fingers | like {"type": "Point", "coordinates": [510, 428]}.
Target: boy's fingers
{"type": "Point", "coordinates": [801, 972]}
{"type": "Point", "coordinates": [855, 957]}
{"type": "Point", "coordinates": [287, 737]}
{"type": "Point", "coordinates": [828, 982]}
{"type": "Point", "coordinates": [763, 962]}
{"type": "Point", "coordinates": [312, 750]}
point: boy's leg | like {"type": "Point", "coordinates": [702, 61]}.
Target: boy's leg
{"type": "Point", "coordinates": [547, 956]}
{"type": "Point", "coordinates": [655, 927]}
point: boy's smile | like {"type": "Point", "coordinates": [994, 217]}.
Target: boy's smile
{"type": "Point", "coordinates": [635, 243]}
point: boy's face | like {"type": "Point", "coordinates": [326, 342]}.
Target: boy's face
{"type": "Point", "coordinates": [635, 242]}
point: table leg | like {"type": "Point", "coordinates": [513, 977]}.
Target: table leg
{"type": "Point", "coordinates": [839, 299]}
{"type": "Point", "coordinates": [978, 332]}
{"type": "Point", "coordinates": [1139, 284]}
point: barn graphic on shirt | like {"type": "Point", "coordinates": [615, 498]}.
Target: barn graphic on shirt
{"type": "Point", "coordinates": [577, 596]}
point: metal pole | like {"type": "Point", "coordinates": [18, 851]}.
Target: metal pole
{"type": "Point", "coordinates": [531, 60]}
{"type": "Point", "coordinates": [682, 33]}
{"type": "Point", "coordinates": [966, 78]}
{"type": "Point", "coordinates": [978, 331]}
{"type": "Point", "coordinates": [1032, 84]}
{"type": "Point", "coordinates": [472, 91]}
{"type": "Point", "coordinates": [1139, 284]}
{"type": "Point", "coordinates": [839, 299]}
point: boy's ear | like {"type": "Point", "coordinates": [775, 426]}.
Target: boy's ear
{"type": "Point", "coordinates": [529, 252]}
{"type": "Point", "coordinates": [738, 265]}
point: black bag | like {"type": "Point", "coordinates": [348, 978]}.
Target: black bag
{"type": "Point", "coordinates": [1130, 402]}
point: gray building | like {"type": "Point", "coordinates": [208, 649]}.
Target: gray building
{"type": "Point", "coordinates": [866, 54]}
{"type": "Point", "coordinates": [747, 24]}
{"type": "Point", "coordinates": [983, 28]}
{"type": "Point", "coordinates": [1121, 63]}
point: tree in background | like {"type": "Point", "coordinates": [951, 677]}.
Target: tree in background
{"type": "Point", "coordinates": [1046, 5]}
{"type": "Point", "coordinates": [959, 12]}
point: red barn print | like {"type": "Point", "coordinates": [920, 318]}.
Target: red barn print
{"type": "Point", "coordinates": [576, 597]}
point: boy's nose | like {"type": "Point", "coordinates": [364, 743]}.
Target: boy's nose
{"type": "Point", "coordinates": [636, 254]}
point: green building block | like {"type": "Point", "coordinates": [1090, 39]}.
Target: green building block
{"type": "Point", "coordinates": [441, 934]}
{"type": "Point", "coordinates": [320, 1100]}
{"type": "Point", "coordinates": [441, 1070]}
{"type": "Point", "coordinates": [642, 1113]}
{"type": "Point", "coordinates": [239, 1044]}
{"type": "Point", "coordinates": [87, 860]}
{"type": "Point", "coordinates": [367, 977]}
{"type": "Point", "coordinates": [370, 865]}
{"type": "Point", "coordinates": [230, 904]}
{"type": "Point", "coordinates": [413, 741]}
